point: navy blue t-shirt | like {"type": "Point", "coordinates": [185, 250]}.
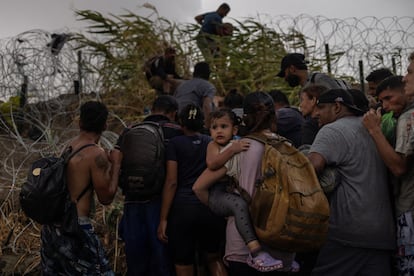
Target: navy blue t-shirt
{"type": "Point", "coordinates": [210, 22]}
{"type": "Point", "coordinates": [289, 124]}
{"type": "Point", "coordinates": [190, 154]}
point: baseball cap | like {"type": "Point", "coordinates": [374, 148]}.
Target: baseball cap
{"type": "Point", "coordinates": [292, 59]}
{"type": "Point", "coordinates": [341, 96]}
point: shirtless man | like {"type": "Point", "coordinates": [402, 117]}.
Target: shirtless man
{"type": "Point", "coordinates": [90, 170]}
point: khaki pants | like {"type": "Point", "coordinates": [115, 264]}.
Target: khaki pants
{"type": "Point", "coordinates": [207, 45]}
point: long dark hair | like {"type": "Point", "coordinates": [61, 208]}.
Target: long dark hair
{"type": "Point", "coordinates": [259, 111]}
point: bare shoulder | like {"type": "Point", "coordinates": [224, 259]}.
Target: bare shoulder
{"type": "Point", "coordinates": [97, 157]}
{"type": "Point", "coordinates": [80, 167]}
{"type": "Point", "coordinates": [213, 147]}
{"type": "Point", "coordinates": [91, 156]}
{"type": "Point", "coordinates": [101, 160]}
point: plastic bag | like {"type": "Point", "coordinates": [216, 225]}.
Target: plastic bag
{"type": "Point", "coordinates": [388, 126]}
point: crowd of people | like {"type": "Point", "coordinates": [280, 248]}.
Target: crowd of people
{"type": "Point", "coordinates": [199, 221]}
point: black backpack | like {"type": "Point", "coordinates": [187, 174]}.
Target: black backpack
{"type": "Point", "coordinates": [44, 197]}
{"type": "Point", "coordinates": [143, 162]}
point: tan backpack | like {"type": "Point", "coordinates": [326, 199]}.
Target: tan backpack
{"type": "Point", "coordinates": [289, 208]}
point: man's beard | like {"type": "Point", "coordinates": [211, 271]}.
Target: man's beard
{"type": "Point", "coordinates": [293, 80]}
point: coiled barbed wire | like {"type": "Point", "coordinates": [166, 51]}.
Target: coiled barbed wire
{"type": "Point", "coordinates": [374, 41]}
{"type": "Point", "coordinates": [51, 71]}
{"type": "Point", "coordinates": [377, 42]}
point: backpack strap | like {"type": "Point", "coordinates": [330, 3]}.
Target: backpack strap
{"type": "Point", "coordinates": [233, 184]}
{"type": "Point", "coordinates": [67, 160]}
{"type": "Point", "coordinates": [84, 191]}
{"type": "Point", "coordinates": [71, 154]}
{"type": "Point", "coordinates": [313, 76]}
{"type": "Point", "coordinates": [262, 138]}
{"type": "Point", "coordinates": [258, 137]}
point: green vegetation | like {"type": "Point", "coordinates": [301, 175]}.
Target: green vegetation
{"type": "Point", "coordinates": [8, 108]}
{"type": "Point", "coordinates": [249, 59]}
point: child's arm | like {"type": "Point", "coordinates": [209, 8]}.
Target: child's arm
{"type": "Point", "coordinates": [216, 159]}
{"type": "Point", "coordinates": [205, 180]}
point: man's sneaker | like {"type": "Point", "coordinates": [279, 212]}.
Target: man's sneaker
{"type": "Point", "coordinates": [263, 262]}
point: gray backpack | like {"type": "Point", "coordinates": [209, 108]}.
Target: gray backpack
{"type": "Point", "coordinates": [340, 83]}
{"type": "Point", "coordinates": [143, 163]}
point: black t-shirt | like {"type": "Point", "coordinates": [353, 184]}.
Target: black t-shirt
{"type": "Point", "coordinates": [190, 154]}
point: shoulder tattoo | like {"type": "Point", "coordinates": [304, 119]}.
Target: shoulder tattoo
{"type": "Point", "coordinates": [101, 162]}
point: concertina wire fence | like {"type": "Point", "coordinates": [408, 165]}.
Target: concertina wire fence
{"type": "Point", "coordinates": [29, 64]}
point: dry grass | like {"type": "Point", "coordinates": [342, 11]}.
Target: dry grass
{"type": "Point", "coordinates": [20, 237]}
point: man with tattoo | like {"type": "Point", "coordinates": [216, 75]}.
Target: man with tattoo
{"type": "Point", "coordinates": [91, 170]}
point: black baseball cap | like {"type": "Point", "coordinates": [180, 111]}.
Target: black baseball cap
{"type": "Point", "coordinates": [295, 59]}
{"type": "Point", "coordinates": [341, 96]}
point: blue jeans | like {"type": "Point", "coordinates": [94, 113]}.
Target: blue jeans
{"type": "Point", "coordinates": [145, 254]}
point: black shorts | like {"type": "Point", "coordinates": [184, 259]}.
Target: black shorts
{"type": "Point", "coordinates": [193, 227]}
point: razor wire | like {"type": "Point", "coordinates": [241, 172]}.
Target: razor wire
{"type": "Point", "coordinates": [376, 42]}
{"type": "Point", "coordinates": [29, 58]}
{"type": "Point", "coordinates": [47, 63]}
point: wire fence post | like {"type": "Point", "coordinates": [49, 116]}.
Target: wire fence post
{"type": "Point", "coordinates": [394, 66]}
{"type": "Point", "coordinates": [78, 83]}
{"type": "Point", "coordinates": [361, 75]}
{"type": "Point", "coordinates": [328, 58]}
{"type": "Point", "coordinates": [23, 91]}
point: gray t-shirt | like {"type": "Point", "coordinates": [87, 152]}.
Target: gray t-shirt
{"type": "Point", "coordinates": [405, 145]}
{"type": "Point", "coordinates": [193, 92]}
{"type": "Point", "coordinates": [361, 212]}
